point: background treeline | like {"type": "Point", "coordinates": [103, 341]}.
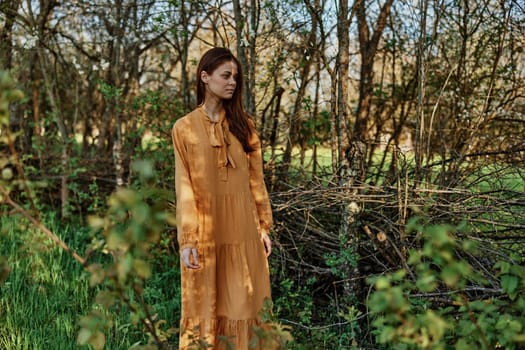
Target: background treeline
{"type": "Point", "coordinates": [379, 120]}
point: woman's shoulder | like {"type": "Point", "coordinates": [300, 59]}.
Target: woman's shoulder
{"type": "Point", "coordinates": [186, 120]}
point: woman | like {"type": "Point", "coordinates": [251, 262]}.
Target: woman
{"type": "Point", "coordinates": [223, 210]}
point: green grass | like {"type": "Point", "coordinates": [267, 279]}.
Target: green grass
{"type": "Point", "coordinates": [47, 291]}
{"type": "Point", "coordinates": [324, 161]}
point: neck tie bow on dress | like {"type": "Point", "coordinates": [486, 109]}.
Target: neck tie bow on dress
{"type": "Point", "coordinates": [218, 133]}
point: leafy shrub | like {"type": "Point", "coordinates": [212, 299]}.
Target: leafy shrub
{"type": "Point", "coordinates": [127, 233]}
{"type": "Point", "coordinates": [441, 302]}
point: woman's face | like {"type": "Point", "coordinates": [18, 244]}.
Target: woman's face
{"type": "Point", "coordinates": [221, 83]}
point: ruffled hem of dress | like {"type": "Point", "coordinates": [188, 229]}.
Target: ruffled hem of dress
{"type": "Point", "coordinates": [222, 333]}
{"type": "Point", "coordinates": [196, 332]}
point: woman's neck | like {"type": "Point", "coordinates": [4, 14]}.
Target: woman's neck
{"type": "Point", "coordinates": [213, 108]}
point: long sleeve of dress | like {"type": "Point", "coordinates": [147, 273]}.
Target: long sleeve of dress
{"type": "Point", "coordinates": [187, 214]}
{"type": "Point", "coordinates": [258, 187]}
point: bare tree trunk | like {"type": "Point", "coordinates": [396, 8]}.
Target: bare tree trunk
{"type": "Point", "coordinates": [368, 44]}
{"type": "Point", "coordinates": [35, 100]}
{"type": "Point", "coordinates": [122, 79]}
{"type": "Point", "coordinates": [335, 142]}
{"type": "Point", "coordinates": [315, 112]}
{"type": "Point", "coordinates": [272, 108]}
{"type": "Point", "coordinates": [46, 11]}
{"type": "Point", "coordinates": [184, 50]}
{"type": "Point", "coordinates": [9, 9]}
{"type": "Point", "coordinates": [184, 79]}
{"type": "Point", "coordinates": [343, 62]}
{"type": "Point", "coordinates": [351, 168]}
{"type": "Point", "coordinates": [64, 192]}
{"type": "Point", "coordinates": [275, 120]}
{"type": "Point", "coordinates": [252, 57]}
{"type": "Point", "coordinates": [241, 47]}
{"type": "Point", "coordinates": [275, 110]}
{"type": "Point", "coordinates": [421, 80]}
{"type": "Point", "coordinates": [346, 178]}
{"type": "Point", "coordinates": [116, 71]}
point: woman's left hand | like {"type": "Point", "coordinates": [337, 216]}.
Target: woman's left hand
{"type": "Point", "coordinates": [267, 244]}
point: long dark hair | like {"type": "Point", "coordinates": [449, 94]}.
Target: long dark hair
{"type": "Point", "coordinates": [238, 119]}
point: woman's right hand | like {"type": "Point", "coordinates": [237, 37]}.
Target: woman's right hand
{"type": "Point", "coordinates": [190, 258]}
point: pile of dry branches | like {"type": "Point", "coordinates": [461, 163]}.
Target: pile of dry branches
{"type": "Point", "coordinates": [307, 223]}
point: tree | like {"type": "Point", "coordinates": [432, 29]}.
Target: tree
{"type": "Point", "coordinates": [9, 8]}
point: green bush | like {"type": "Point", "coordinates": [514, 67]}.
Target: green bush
{"type": "Point", "coordinates": [128, 233]}
{"type": "Point", "coordinates": [441, 302]}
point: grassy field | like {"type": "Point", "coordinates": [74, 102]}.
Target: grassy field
{"type": "Point", "coordinates": [47, 291]}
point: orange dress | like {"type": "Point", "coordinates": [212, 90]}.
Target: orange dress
{"type": "Point", "coordinates": [222, 210]}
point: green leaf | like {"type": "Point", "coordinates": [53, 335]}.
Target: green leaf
{"type": "Point", "coordinates": [509, 284]}
{"type": "Point", "coordinates": [439, 235]}
{"type": "Point", "coordinates": [413, 224]}
{"type": "Point", "coordinates": [124, 195]}
{"type": "Point", "coordinates": [98, 340]}
{"type": "Point", "coordinates": [504, 266]}
{"type": "Point", "coordinates": [450, 276]}
{"type": "Point", "coordinates": [378, 302]}
{"type": "Point", "coordinates": [140, 213]}
{"type": "Point", "coordinates": [436, 325]}
{"type": "Point", "coordinates": [106, 298]}
{"type": "Point", "coordinates": [426, 282]}
{"type": "Point", "coordinates": [115, 241]}
{"type": "Point", "coordinates": [96, 222]}
{"type": "Point", "coordinates": [97, 274]}
{"type": "Point", "coordinates": [387, 334]}
{"type": "Point", "coordinates": [463, 268]}
{"type": "Point", "coordinates": [519, 338]}
{"type": "Point", "coordinates": [124, 266]}
{"type": "Point", "coordinates": [142, 268]}
{"type": "Point", "coordinates": [469, 245]}
{"type": "Point", "coordinates": [414, 258]}
{"type": "Point", "coordinates": [517, 270]}
{"type": "Point", "coordinates": [14, 95]}
{"type": "Point", "coordinates": [83, 336]}
{"type": "Point", "coordinates": [382, 283]}
{"type": "Point", "coordinates": [399, 275]}
{"type": "Point", "coordinates": [508, 325]}
{"type": "Point", "coordinates": [463, 344]}
{"type": "Point", "coordinates": [135, 318]}
{"type": "Point", "coordinates": [144, 168]}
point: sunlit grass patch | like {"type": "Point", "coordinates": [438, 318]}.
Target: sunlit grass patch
{"type": "Point", "coordinates": [47, 291]}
